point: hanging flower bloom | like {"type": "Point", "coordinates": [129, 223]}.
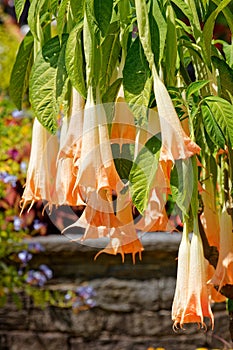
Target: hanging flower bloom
{"type": "Point", "coordinates": [69, 153]}
{"type": "Point", "coordinates": [198, 300]}
{"type": "Point", "coordinates": [123, 127]}
{"type": "Point", "coordinates": [224, 270]}
{"type": "Point", "coordinates": [209, 217]}
{"type": "Point", "coordinates": [182, 286]}
{"type": "Point", "coordinates": [41, 173]}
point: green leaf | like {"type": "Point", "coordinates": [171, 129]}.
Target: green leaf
{"type": "Point", "coordinates": [108, 100]}
{"type": "Point", "coordinates": [34, 14]}
{"type": "Point", "coordinates": [144, 30]}
{"type": "Point", "coordinates": [61, 16]}
{"type": "Point", "coordinates": [75, 59]}
{"type": "Point", "coordinates": [143, 172]}
{"type": "Point", "coordinates": [225, 75]}
{"type": "Point", "coordinates": [77, 8]}
{"type": "Point", "coordinates": [171, 48]}
{"type": "Point", "coordinates": [19, 6]}
{"type": "Point", "coordinates": [208, 30]}
{"type": "Point", "coordinates": [158, 30]}
{"type": "Point", "coordinates": [183, 6]}
{"type": "Point", "coordinates": [103, 14]}
{"type": "Point", "coordinates": [195, 87]}
{"type": "Point", "coordinates": [47, 81]}
{"type": "Point", "coordinates": [181, 184]}
{"type": "Point", "coordinates": [123, 159]}
{"type": "Point", "coordinates": [212, 128]}
{"type": "Point", "coordinates": [110, 51]}
{"type": "Point", "coordinates": [137, 82]}
{"type": "Point", "coordinates": [228, 51]}
{"type": "Point", "coordinates": [222, 111]}
{"type": "Point", "coordinates": [21, 70]}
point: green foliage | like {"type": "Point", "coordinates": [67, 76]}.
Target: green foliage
{"type": "Point", "coordinates": [8, 47]}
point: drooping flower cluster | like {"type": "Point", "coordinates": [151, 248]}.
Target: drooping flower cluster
{"type": "Point", "coordinates": [77, 168]}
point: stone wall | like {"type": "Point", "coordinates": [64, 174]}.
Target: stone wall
{"type": "Point", "coordinates": [133, 303]}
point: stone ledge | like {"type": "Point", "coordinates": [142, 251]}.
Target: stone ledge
{"type": "Point", "coordinates": [76, 260]}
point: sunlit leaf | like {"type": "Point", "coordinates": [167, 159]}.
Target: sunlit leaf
{"type": "Point", "coordinates": [143, 172]}
{"type": "Point", "coordinates": [137, 82]}
{"type": "Point", "coordinates": [21, 69]}
{"type": "Point", "coordinates": [47, 81]}
{"type": "Point", "coordinates": [222, 112]}
{"type": "Point", "coordinates": [75, 60]}
{"type": "Point", "coordinates": [212, 128]}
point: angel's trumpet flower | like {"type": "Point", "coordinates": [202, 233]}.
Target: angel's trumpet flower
{"type": "Point", "coordinates": [224, 270]}
{"type": "Point", "coordinates": [123, 127]}
{"type": "Point", "coordinates": [181, 292]}
{"type": "Point", "coordinates": [96, 166]}
{"type": "Point", "coordinates": [198, 300]}
{"type": "Point", "coordinates": [69, 154]}
{"type": "Point", "coordinates": [41, 173]}
{"type": "Point", "coordinates": [209, 217]}
{"type": "Point", "coordinates": [175, 143]}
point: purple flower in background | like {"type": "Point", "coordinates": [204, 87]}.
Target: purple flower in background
{"type": "Point", "coordinates": [7, 178]}
{"type": "Point", "coordinates": [90, 302]}
{"type": "Point", "coordinates": [46, 270]}
{"type": "Point", "coordinates": [85, 292]}
{"type": "Point", "coordinates": [17, 223]}
{"type": "Point", "coordinates": [23, 167]}
{"type": "Point", "coordinates": [35, 247]}
{"type": "Point", "coordinates": [36, 278]}
{"type": "Point", "coordinates": [24, 256]}
{"type": "Point", "coordinates": [37, 224]}
{"type": "Point", "coordinates": [13, 153]}
{"type": "Point", "coordinates": [17, 114]}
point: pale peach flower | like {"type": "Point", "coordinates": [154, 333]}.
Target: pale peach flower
{"type": "Point", "coordinates": [198, 300]}
{"type": "Point", "coordinates": [209, 217]}
{"type": "Point", "coordinates": [193, 304]}
{"type": "Point", "coordinates": [224, 270]}
{"type": "Point", "coordinates": [182, 281]}
{"type": "Point", "coordinates": [41, 173]}
{"type": "Point", "coordinates": [69, 153]}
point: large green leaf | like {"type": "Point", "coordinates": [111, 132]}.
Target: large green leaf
{"type": "Point", "coordinates": [222, 111]}
{"type": "Point", "coordinates": [158, 30]}
{"type": "Point", "coordinates": [103, 14]}
{"type": "Point", "coordinates": [110, 51]}
{"type": "Point", "coordinates": [19, 6]}
{"type": "Point", "coordinates": [61, 15]}
{"type": "Point", "coordinates": [144, 30]}
{"type": "Point", "coordinates": [47, 81]}
{"type": "Point", "coordinates": [225, 75]}
{"type": "Point", "coordinates": [181, 184]}
{"type": "Point", "coordinates": [212, 128]}
{"type": "Point", "coordinates": [21, 69]}
{"type": "Point", "coordinates": [34, 15]}
{"type": "Point", "coordinates": [75, 59]}
{"type": "Point", "coordinates": [77, 8]}
{"type": "Point", "coordinates": [208, 30]}
{"type": "Point", "coordinates": [137, 82]}
{"type": "Point", "coordinates": [170, 53]}
{"type": "Point", "coordinates": [143, 172]}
